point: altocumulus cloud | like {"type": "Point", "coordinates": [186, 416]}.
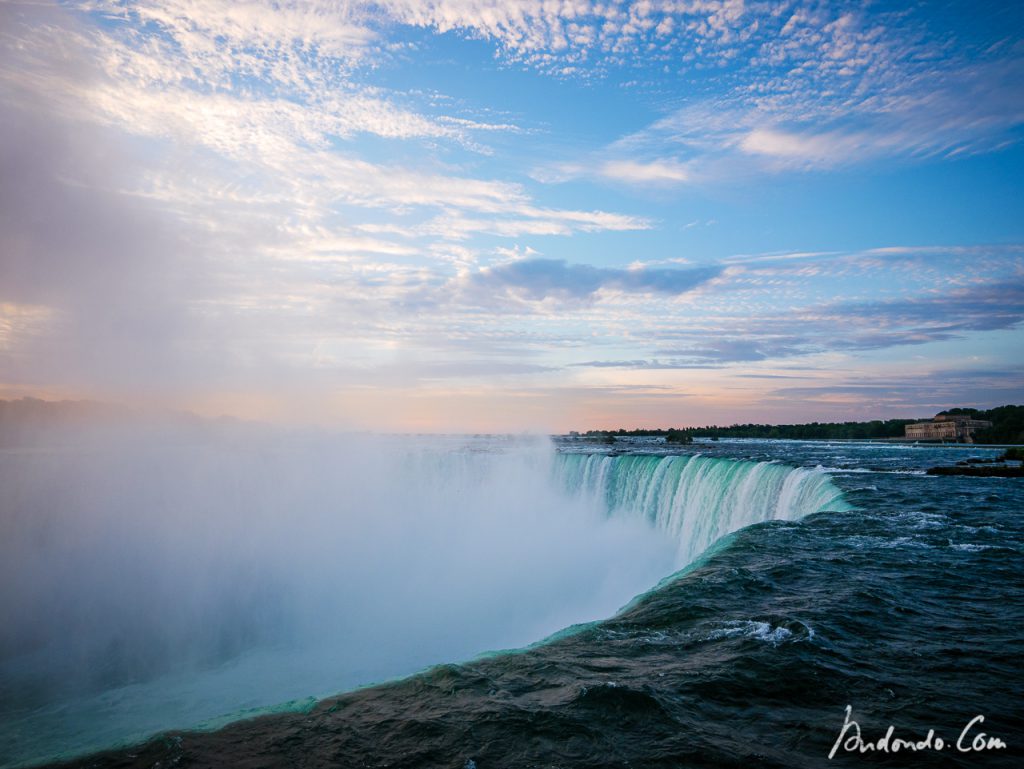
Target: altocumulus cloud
{"type": "Point", "coordinates": [538, 279]}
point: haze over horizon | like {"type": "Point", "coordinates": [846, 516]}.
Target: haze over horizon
{"type": "Point", "coordinates": [496, 216]}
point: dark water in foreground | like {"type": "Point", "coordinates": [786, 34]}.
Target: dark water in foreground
{"type": "Point", "coordinates": [909, 608]}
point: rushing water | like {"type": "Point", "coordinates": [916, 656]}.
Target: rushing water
{"type": "Point", "coordinates": [697, 500]}
{"type": "Point", "coordinates": [826, 575]}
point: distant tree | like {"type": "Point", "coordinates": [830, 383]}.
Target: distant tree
{"type": "Point", "coordinates": [959, 412]}
{"type": "Point", "coordinates": [1007, 425]}
{"type": "Point", "coordinates": [678, 437]}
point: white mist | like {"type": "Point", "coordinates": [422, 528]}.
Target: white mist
{"type": "Point", "coordinates": [165, 577]}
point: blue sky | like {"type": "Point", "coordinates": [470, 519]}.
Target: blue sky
{"type": "Point", "coordinates": [475, 215]}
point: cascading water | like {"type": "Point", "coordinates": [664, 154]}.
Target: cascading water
{"type": "Point", "coordinates": [697, 500]}
{"type": "Point", "coordinates": [171, 579]}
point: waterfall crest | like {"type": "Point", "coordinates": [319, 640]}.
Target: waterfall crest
{"type": "Point", "coordinates": [696, 500]}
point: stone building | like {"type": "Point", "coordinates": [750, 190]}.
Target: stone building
{"type": "Point", "coordinates": [947, 427]}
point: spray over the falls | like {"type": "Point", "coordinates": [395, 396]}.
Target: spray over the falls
{"type": "Point", "coordinates": [174, 578]}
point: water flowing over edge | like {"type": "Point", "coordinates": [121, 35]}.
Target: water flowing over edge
{"type": "Point", "coordinates": [693, 500]}
{"type": "Point", "coordinates": [697, 500]}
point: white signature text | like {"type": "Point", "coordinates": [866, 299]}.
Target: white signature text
{"type": "Point", "coordinates": [971, 739]}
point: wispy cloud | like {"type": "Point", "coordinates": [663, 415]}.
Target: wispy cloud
{"type": "Point", "coordinates": [921, 393]}
{"type": "Point", "coordinates": [575, 38]}
{"type": "Point", "coordinates": [654, 172]}
{"type": "Point", "coordinates": [814, 87]}
{"type": "Point", "coordinates": [721, 333]}
{"type": "Point", "coordinates": [537, 279]}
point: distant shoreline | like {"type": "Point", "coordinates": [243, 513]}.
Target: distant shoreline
{"type": "Point", "coordinates": [886, 441]}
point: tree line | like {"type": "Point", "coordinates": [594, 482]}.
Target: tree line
{"type": "Point", "coordinates": [1007, 427]}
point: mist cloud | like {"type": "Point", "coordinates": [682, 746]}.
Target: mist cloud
{"type": "Point", "coordinates": [197, 569]}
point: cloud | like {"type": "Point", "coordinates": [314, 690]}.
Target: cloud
{"type": "Point", "coordinates": [219, 40]}
{"type": "Point", "coordinates": [812, 149]}
{"type": "Point", "coordinates": [260, 101]}
{"type": "Point", "coordinates": [538, 279]}
{"type": "Point", "coordinates": [813, 87]}
{"type": "Point", "coordinates": [984, 307]}
{"type": "Point", "coordinates": [926, 391]}
{"type": "Point", "coordinates": [655, 172]}
{"type": "Point", "coordinates": [937, 316]}
{"type": "Point", "coordinates": [655, 364]}
{"type": "Point", "coordinates": [579, 37]}
{"type": "Point", "coordinates": [162, 237]}
{"type": "Point", "coordinates": [719, 353]}
{"type": "Point", "coordinates": [735, 321]}
{"type": "Point", "coordinates": [529, 220]}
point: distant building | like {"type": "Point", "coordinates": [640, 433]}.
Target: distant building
{"type": "Point", "coordinates": [946, 427]}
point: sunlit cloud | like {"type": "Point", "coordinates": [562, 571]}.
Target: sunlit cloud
{"type": "Point", "coordinates": [656, 172]}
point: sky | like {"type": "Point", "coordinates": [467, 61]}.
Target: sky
{"type": "Point", "coordinates": [472, 215]}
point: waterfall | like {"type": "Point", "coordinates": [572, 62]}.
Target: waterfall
{"type": "Point", "coordinates": [696, 500]}
{"type": "Point", "coordinates": [157, 581]}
